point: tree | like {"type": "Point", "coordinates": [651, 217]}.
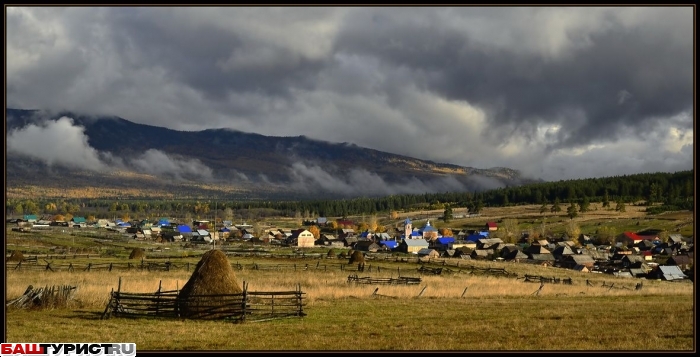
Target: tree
{"type": "Point", "coordinates": [373, 223]}
{"type": "Point", "coordinates": [333, 224]}
{"type": "Point", "coordinates": [555, 206]}
{"type": "Point", "coordinates": [572, 212]}
{"type": "Point", "coordinates": [663, 236]}
{"type": "Point", "coordinates": [446, 232]}
{"type": "Point", "coordinates": [478, 206]}
{"type": "Point", "coordinates": [315, 231]}
{"type": "Point", "coordinates": [19, 209]}
{"type": "Point", "coordinates": [447, 214]}
{"type": "Point", "coordinates": [228, 214]}
{"type": "Point", "coordinates": [620, 205]}
{"type": "Point", "coordinates": [584, 205]}
{"type": "Point", "coordinates": [606, 199]}
{"type": "Point", "coordinates": [509, 228]}
{"type": "Point", "coordinates": [606, 234]}
{"type": "Point", "coordinates": [573, 231]}
{"type": "Point", "coordinates": [543, 208]}
{"type": "Point", "coordinates": [394, 215]}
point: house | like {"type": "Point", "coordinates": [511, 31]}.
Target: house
{"type": "Point", "coordinates": [367, 246]}
{"type": "Point", "coordinates": [570, 261]}
{"type": "Point", "coordinates": [172, 236]}
{"type": "Point", "coordinates": [632, 261]}
{"type": "Point", "coordinates": [429, 232]}
{"type": "Point", "coordinates": [582, 269]}
{"type": "Point", "coordinates": [491, 226]}
{"type": "Point", "coordinates": [429, 253]}
{"type": "Point", "coordinates": [485, 243]}
{"type": "Point", "coordinates": [514, 255]}
{"type": "Point", "coordinates": [201, 235]}
{"type": "Point", "coordinates": [464, 244]}
{"type": "Point", "coordinates": [412, 245]}
{"type": "Point", "coordinates": [629, 238]}
{"type": "Point", "coordinates": [345, 223]}
{"type": "Point", "coordinates": [185, 231]}
{"type": "Point", "coordinates": [390, 244]}
{"type": "Point", "coordinates": [349, 241]}
{"type": "Point", "coordinates": [537, 249]}
{"type": "Point", "coordinates": [667, 272]}
{"type": "Point", "coordinates": [382, 236]}
{"type": "Point", "coordinates": [546, 259]}
{"type": "Point", "coordinates": [346, 232]}
{"type": "Point", "coordinates": [30, 218]}
{"type": "Point", "coordinates": [474, 237]}
{"type": "Point", "coordinates": [78, 221]}
{"type": "Point", "coordinates": [675, 238]}
{"type": "Point", "coordinates": [561, 251]}
{"type": "Point", "coordinates": [301, 238]}
{"type": "Point", "coordinates": [481, 254]}
{"type": "Point", "coordinates": [321, 221]}
{"type": "Point", "coordinates": [684, 262]}
{"type": "Point", "coordinates": [443, 243]}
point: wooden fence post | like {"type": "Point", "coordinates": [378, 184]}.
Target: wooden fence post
{"type": "Point", "coordinates": [245, 300]}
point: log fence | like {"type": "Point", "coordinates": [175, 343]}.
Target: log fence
{"type": "Point", "coordinates": [249, 305]}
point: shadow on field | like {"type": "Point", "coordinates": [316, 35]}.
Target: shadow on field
{"type": "Point", "coordinates": [87, 315]}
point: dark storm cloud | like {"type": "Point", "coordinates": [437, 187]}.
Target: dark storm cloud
{"type": "Point", "coordinates": [521, 87]}
{"type": "Point", "coordinates": [580, 90]}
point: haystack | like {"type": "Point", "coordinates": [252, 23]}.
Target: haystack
{"type": "Point", "coordinates": [137, 253]}
{"type": "Point", "coordinates": [213, 275]}
{"type": "Point", "coordinates": [357, 257]}
{"type": "Point", "coordinates": [331, 253]}
{"type": "Point", "coordinates": [16, 256]}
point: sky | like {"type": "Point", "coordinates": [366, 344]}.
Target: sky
{"type": "Point", "coordinates": [557, 93]}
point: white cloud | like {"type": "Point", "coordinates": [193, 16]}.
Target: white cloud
{"type": "Point", "coordinates": [56, 143]}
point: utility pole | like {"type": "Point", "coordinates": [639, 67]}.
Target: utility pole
{"type": "Point", "coordinates": [213, 237]}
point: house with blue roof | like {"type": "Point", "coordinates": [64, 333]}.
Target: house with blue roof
{"type": "Point", "coordinates": [443, 243]}
{"type": "Point", "coordinates": [429, 232]}
{"type": "Point", "coordinates": [31, 218]}
{"type": "Point", "coordinates": [474, 237]}
{"type": "Point", "coordinates": [390, 244]}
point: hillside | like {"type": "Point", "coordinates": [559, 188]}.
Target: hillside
{"type": "Point", "coordinates": [213, 162]}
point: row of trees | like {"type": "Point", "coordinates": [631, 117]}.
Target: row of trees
{"type": "Point", "coordinates": [674, 190]}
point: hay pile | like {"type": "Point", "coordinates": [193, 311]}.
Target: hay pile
{"type": "Point", "coordinates": [16, 256]}
{"type": "Point", "coordinates": [331, 253]}
{"type": "Point", "coordinates": [357, 257]}
{"type": "Point", "coordinates": [137, 253]}
{"type": "Point", "coordinates": [213, 275]}
{"type": "Point", "coordinates": [342, 255]}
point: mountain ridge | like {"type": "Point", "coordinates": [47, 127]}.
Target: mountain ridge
{"type": "Point", "coordinates": [297, 164]}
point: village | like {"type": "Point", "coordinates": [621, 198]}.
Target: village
{"type": "Point", "coordinates": [634, 255]}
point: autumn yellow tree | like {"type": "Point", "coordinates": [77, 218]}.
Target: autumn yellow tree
{"type": "Point", "coordinates": [59, 217]}
{"type": "Point", "coordinates": [573, 231]}
{"type": "Point", "coordinates": [332, 224]}
{"type": "Point", "coordinates": [509, 227]}
{"type": "Point", "coordinates": [315, 231]}
{"type": "Point", "coordinates": [446, 232]}
{"type": "Point", "coordinates": [373, 223]}
{"type": "Point", "coordinates": [394, 215]}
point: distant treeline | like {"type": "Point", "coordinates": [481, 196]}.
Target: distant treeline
{"type": "Point", "coordinates": [673, 190]}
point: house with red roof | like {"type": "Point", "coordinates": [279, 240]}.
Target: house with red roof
{"type": "Point", "coordinates": [491, 226]}
{"type": "Point", "coordinates": [629, 238]}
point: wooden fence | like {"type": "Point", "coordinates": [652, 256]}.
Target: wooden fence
{"type": "Point", "coordinates": [402, 280]}
{"type": "Point", "coordinates": [246, 306]}
{"type": "Point", "coordinates": [542, 279]}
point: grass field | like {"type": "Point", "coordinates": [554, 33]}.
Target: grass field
{"type": "Point", "coordinates": [495, 313]}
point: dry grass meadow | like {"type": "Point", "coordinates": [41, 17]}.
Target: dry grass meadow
{"type": "Point", "coordinates": [495, 313]}
{"type": "Point", "coordinates": [449, 312]}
